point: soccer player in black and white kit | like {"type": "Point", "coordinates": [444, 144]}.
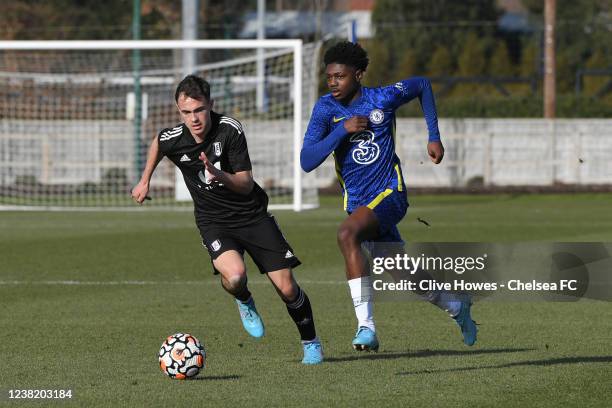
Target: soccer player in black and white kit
{"type": "Point", "coordinates": [230, 208]}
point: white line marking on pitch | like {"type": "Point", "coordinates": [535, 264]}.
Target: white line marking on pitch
{"type": "Point", "coordinates": [142, 283]}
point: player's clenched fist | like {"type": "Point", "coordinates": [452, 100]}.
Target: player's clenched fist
{"type": "Point", "coordinates": [435, 150]}
{"type": "Point", "coordinates": [356, 124]}
{"type": "Point", "coordinates": [140, 191]}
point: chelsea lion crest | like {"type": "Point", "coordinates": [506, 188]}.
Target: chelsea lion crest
{"type": "Point", "coordinates": [377, 116]}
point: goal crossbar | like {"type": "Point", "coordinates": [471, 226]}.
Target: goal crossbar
{"type": "Point", "coordinates": [147, 44]}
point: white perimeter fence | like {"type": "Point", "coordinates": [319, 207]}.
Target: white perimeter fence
{"type": "Point", "coordinates": [503, 152]}
{"type": "Point", "coordinates": [489, 152]}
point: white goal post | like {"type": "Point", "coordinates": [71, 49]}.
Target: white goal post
{"type": "Point", "coordinates": [73, 131]}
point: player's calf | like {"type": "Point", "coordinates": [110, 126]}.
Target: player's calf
{"type": "Point", "coordinates": [236, 285]}
{"type": "Point", "coordinates": [301, 313]}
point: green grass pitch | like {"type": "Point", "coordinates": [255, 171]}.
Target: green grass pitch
{"type": "Point", "coordinates": [143, 275]}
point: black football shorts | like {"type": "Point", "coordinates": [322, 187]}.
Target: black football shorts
{"type": "Point", "coordinates": [262, 240]}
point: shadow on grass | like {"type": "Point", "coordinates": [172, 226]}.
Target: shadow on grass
{"type": "Point", "coordinates": [215, 378]}
{"type": "Point", "coordinates": [549, 362]}
{"type": "Point", "coordinates": [389, 355]}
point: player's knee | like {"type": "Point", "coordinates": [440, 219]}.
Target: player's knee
{"type": "Point", "coordinates": [347, 236]}
{"type": "Point", "coordinates": [289, 291]}
{"type": "Point", "coordinates": [235, 282]}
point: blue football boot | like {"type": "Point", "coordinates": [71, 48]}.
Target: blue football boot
{"type": "Point", "coordinates": [313, 352]}
{"type": "Point", "coordinates": [465, 322]}
{"type": "Point", "coordinates": [365, 340]}
{"type": "Point", "coordinates": [250, 318]}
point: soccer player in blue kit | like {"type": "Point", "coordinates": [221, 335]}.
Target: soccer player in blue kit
{"type": "Point", "coordinates": [357, 125]}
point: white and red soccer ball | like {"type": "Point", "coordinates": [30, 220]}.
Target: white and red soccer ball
{"type": "Point", "coordinates": [181, 356]}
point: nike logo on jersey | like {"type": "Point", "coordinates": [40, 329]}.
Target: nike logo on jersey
{"type": "Point", "coordinates": [336, 120]}
{"type": "Point", "coordinates": [185, 158]}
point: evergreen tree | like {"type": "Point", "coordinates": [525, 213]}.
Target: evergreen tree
{"type": "Point", "coordinates": [582, 27]}
{"type": "Point", "coordinates": [378, 72]}
{"type": "Point", "coordinates": [441, 63]}
{"type": "Point", "coordinates": [421, 25]}
{"type": "Point", "coordinates": [472, 60]}
{"type": "Point", "coordinates": [593, 84]}
{"type": "Point", "coordinates": [499, 64]}
{"type": "Point", "coordinates": [407, 66]}
{"type": "Point", "coordinates": [530, 60]}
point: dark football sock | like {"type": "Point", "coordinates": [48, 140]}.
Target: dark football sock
{"type": "Point", "coordinates": [301, 313]}
{"type": "Point", "coordinates": [244, 295]}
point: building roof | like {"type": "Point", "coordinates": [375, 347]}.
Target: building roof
{"type": "Point", "coordinates": [296, 24]}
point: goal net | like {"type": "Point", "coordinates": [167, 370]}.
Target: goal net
{"type": "Point", "coordinates": [77, 118]}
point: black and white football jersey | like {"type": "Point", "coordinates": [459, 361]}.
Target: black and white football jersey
{"type": "Point", "coordinates": [226, 148]}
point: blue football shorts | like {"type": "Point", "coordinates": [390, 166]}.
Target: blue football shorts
{"type": "Point", "coordinates": [390, 207]}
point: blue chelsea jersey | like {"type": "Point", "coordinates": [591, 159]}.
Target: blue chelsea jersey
{"type": "Point", "coordinates": [366, 162]}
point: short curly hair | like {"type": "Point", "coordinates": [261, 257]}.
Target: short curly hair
{"type": "Point", "coordinates": [194, 87]}
{"type": "Point", "coordinates": [347, 53]}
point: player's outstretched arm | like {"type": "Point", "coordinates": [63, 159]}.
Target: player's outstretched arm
{"type": "Point", "coordinates": [419, 87]}
{"type": "Point", "coordinates": [241, 182]}
{"type": "Point", "coordinates": [435, 149]}
{"type": "Point", "coordinates": [154, 156]}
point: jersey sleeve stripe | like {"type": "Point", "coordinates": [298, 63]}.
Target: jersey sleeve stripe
{"type": "Point", "coordinates": [166, 136]}
{"type": "Point", "coordinates": [227, 118]}
{"type": "Point", "coordinates": [171, 133]}
{"type": "Point", "coordinates": [232, 122]}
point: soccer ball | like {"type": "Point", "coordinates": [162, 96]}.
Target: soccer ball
{"type": "Point", "coordinates": [181, 356]}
